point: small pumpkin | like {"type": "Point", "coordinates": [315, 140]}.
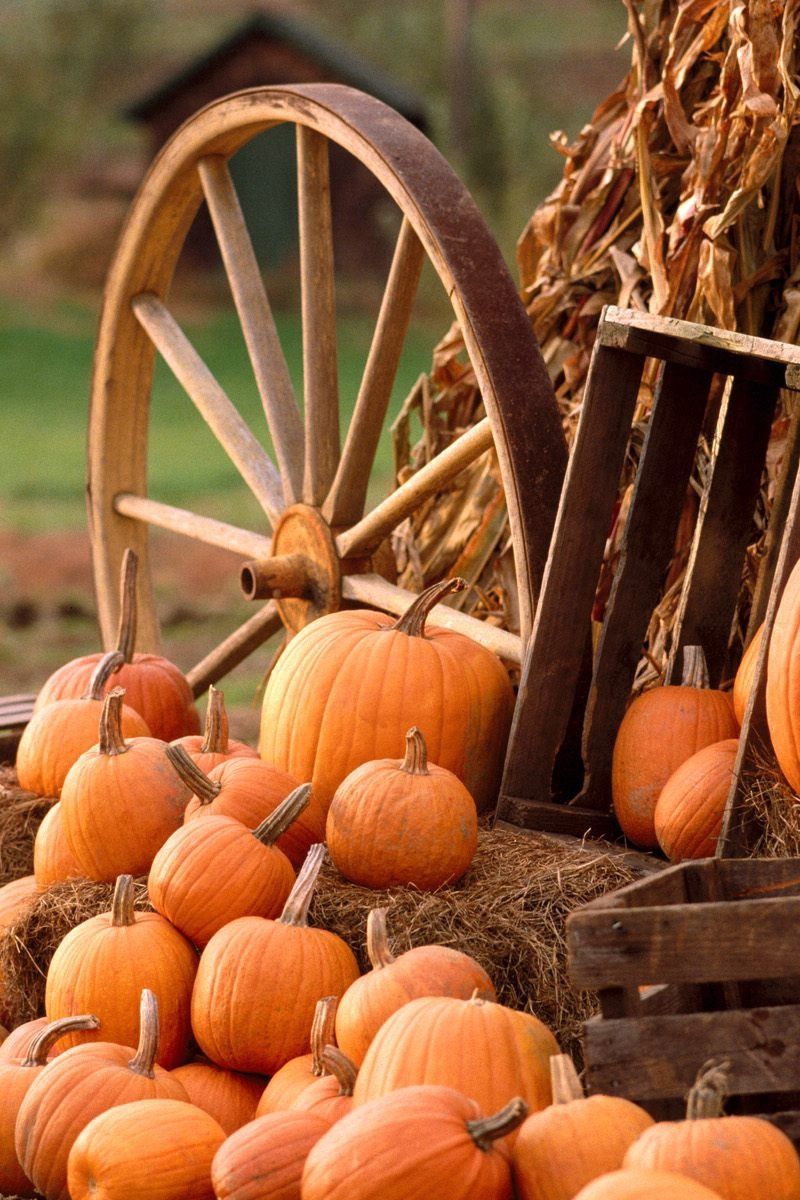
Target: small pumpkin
{"type": "Point", "coordinates": [210, 872]}
{"type": "Point", "coordinates": [114, 1155]}
{"type": "Point", "coordinates": [17, 1044]}
{"type": "Point", "coordinates": [402, 823]}
{"type": "Point", "coordinates": [783, 681]}
{"type": "Point", "coordinates": [264, 1160]}
{"type": "Point", "coordinates": [121, 800]}
{"type": "Point", "coordinates": [279, 968]}
{"type": "Point", "coordinates": [635, 1184]}
{"type": "Point", "coordinates": [213, 747]}
{"type": "Point", "coordinates": [103, 964]}
{"type": "Point", "coordinates": [661, 729]}
{"type": "Point", "coordinates": [419, 1141]}
{"type": "Point", "coordinates": [691, 806]}
{"type": "Point", "coordinates": [53, 861]}
{"type": "Point", "coordinates": [290, 1080]}
{"type": "Point", "coordinates": [331, 1096]}
{"type": "Point", "coordinates": [743, 682]}
{"type": "Point", "coordinates": [227, 1096]}
{"type": "Point", "coordinates": [392, 982]}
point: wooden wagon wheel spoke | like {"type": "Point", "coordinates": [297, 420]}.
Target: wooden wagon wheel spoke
{"type": "Point", "coordinates": [235, 648]}
{"type": "Point", "coordinates": [258, 324]}
{"type": "Point", "coordinates": [345, 503]}
{"type": "Point", "coordinates": [320, 370]}
{"type": "Point", "coordinates": [192, 525]}
{"type": "Point", "coordinates": [245, 451]}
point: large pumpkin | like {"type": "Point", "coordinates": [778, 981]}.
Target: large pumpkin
{"type": "Point", "coordinates": [783, 681]}
{"type": "Point", "coordinates": [660, 730]}
{"type": "Point", "coordinates": [633, 1184]}
{"type": "Point", "coordinates": [349, 685]}
{"type": "Point", "coordinates": [331, 1096]}
{"type": "Point", "coordinates": [229, 1097]}
{"type": "Point", "coordinates": [264, 1160]}
{"type": "Point", "coordinates": [690, 809]}
{"type": "Point", "coordinates": [53, 861]}
{"type": "Point", "coordinates": [743, 683]}
{"type": "Point", "coordinates": [294, 1076]}
{"type": "Point", "coordinates": [213, 746]}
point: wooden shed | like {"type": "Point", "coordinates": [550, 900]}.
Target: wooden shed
{"type": "Point", "coordinates": [271, 47]}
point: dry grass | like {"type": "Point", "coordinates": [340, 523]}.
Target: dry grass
{"type": "Point", "coordinates": [776, 811]}
{"type": "Point", "coordinates": [21, 813]}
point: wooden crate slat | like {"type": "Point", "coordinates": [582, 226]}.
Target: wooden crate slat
{"type": "Point", "coordinates": [666, 887]}
{"type": "Point", "coordinates": [759, 878]}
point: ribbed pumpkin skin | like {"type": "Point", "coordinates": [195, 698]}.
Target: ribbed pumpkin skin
{"type": "Point", "coordinates": [744, 676]}
{"type": "Point", "coordinates": [660, 730]}
{"type": "Point", "coordinates": [280, 972]}
{"type": "Point", "coordinates": [286, 1085]}
{"type": "Point", "coordinates": [783, 682]}
{"type": "Point", "coordinates": [102, 968]}
{"type": "Point", "coordinates": [264, 1160]}
{"type": "Point", "coordinates": [411, 1143]}
{"type": "Point", "coordinates": [115, 1156]}
{"type": "Point", "coordinates": [426, 1042]}
{"type": "Point", "coordinates": [212, 871]}
{"type": "Point", "coordinates": [741, 1158]}
{"type": "Point", "coordinates": [227, 1096]}
{"type": "Point", "coordinates": [645, 1185]}
{"type": "Point", "coordinates": [347, 688]}
{"type": "Point", "coordinates": [19, 1039]}
{"type": "Point", "coordinates": [322, 1098]}
{"type": "Point", "coordinates": [53, 861]}
{"type": "Point", "coordinates": [78, 1086]}
{"type": "Point", "coordinates": [689, 812]}
{"type": "Point", "coordinates": [562, 1148]}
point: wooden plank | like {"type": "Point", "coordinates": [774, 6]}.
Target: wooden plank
{"type": "Point", "coordinates": [191, 525]}
{"type": "Point", "coordinates": [664, 999]}
{"type": "Point", "coordinates": [666, 887]}
{"type": "Point", "coordinates": [547, 817]}
{"type": "Point", "coordinates": [658, 497]}
{"type": "Point", "coordinates": [759, 878]}
{"type": "Point", "coordinates": [777, 524]}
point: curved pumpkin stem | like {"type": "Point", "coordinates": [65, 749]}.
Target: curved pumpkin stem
{"type": "Point", "coordinates": [287, 811]}
{"type": "Point", "coordinates": [336, 1063]}
{"type": "Point", "coordinates": [486, 1130]}
{"type": "Point", "coordinates": [695, 668]}
{"type": "Point", "coordinates": [295, 910]}
{"type": "Point", "coordinates": [564, 1080]}
{"type": "Point", "coordinates": [122, 904]}
{"type": "Point", "coordinates": [215, 734]}
{"type": "Point", "coordinates": [126, 630]}
{"type": "Point", "coordinates": [43, 1042]}
{"type": "Point", "coordinates": [378, 950]}
{"type": "Point", "coordinates": [111, 740]}
{"type": "Point", "coordinates": [707, 1097]}
{"type": "Point", "coordinates": [149, 1032]}
{"type": "Point", "coordinates": [416, 759]}
{"type": "Point", "coordinates": [196, 780]}
{"type": "Point", "coordinates": [109, 664]}
{"type": "Point", "coordinates": [413, 619]}
{"type": "Point", "coordinates": [322, 1031]}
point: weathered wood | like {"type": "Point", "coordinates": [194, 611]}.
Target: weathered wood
{"type": "Point", "coordinates": [235, 648]}
{"type": "Point", "coordinates": [274, 578]}
{"type": "Point", "coordinates": [666, 887]}
{"type": "Point", "coordinates": [759, 878]}
{"type": "Point", "coordinates": [189, 524]}
{"type": "Point", "coordinates": [548, 817]}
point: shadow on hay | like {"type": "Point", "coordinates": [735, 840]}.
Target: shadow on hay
{"type": "Point", "coordinates": [21, 814]}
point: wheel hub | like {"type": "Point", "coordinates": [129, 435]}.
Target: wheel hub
{"type": "Point", "coordinates": [303, 576]}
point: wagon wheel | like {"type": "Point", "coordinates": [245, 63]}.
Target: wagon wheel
{"type": "Point", "coordinates": [323, 547]}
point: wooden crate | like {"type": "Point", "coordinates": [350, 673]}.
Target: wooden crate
{"type": "Point", "coordinates": [700, 961]}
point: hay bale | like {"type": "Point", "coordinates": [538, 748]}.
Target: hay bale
{"type": "Point", "coordinates": [21, 814]}
{"type": "Point", "coordinates": [776, 810]}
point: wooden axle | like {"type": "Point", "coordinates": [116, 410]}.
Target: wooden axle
{"type": "Point", "coordinates": [286, 576]}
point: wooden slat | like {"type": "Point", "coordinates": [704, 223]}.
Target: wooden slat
{"type": "Point", "coordinates": [666, 887]}
{"type": "Point", "coordinates": [547, 817]}
{"type": "Point", "coordinates": [189, 524]}
{"type": "Point", "coordinates": [235, 649]}
{"type": "Point", "coordinates": [759, 877]}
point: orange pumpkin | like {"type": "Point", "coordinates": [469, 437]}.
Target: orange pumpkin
{"type": "Point", "coordinates": [17, 1044]}
{"type": "Point", "coordinates": [115, 1154]}
{"type": "Point", "coordinates": [79, 1085]}
{"type": "Point", "coordinates": [392, 982]}
{"type": "Point", "coordinates": [264, 1160]}
{"type": "Point", "coordinates": [53, 861]}
{"type": "Point", "coordinates": [227, 1096]}
{"type": "Point", "coordinates": [280, 969]}
{"type": "Point", "coordinates": [103, 964]}
{"type": "Point", "coordinates": [562, 1148]}
{"type": "Point", "coordinates": [743, 682]}
{"type": "Point", "coordinates": [485, 1050]}
{"type": "Point", "coordinates": [419, 1141]}
{"type": "Point", "coordinates": [213, 746]}
{"type": "Point", "coordinates": [645, 1185]}
{"type": "Point", "coordinates": [290, 1080]}
{"type": "Point", "coordinates": [660, 730]}
{"type": "Point", "coordinates": [120, 801]}
{"type": "Point", "coordinates": [783, 681]}
{"type": "Point", "coordinates": [690, 809]}
{"type": "Point", "coordinates": [330, 1097]}
{"type": "Point", "coordinates": [210, 872]}
{"type": "Point", "coordinates": [400, 823]}
{"type": "Point", "coordinates": [59, 733]}
{"type": "Point", "coordinates": [349, 685]}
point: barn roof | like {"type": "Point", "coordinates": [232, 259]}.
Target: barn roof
{"type": "Point", "coordinates": [343, 64]}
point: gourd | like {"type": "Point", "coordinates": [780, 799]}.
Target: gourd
{"type": "Point", "coordinates": [213, 746]}
{"type": "Point", "coordinates": [743, 681]}
{"type": "Point", "coordinates": [227, 1096]}
{"type": "Point", "coordinates": [53, 861]}
{"type": "Point", "coordinates": [691, 807]}
{"type": "Point", "coordinates": [120, 801]}
{"type": "Point", "coordinates": [264, 1160]}
{"type": "Point", "coordinates": [634, 1184]}
{"type": "Point", "coordinates": [660, 730]}
{"type": "Point", "coordinates": [290, 1080]}
{"type": "Point", "coordinates": [402, 823]}
{"type": "Point", "coordinates": [259, 980]}
{"type": "Point", "coordinates": [102, 965]}
{"type": "Point", "coordinates": [331, 1096]}
{"type": "Point", "coordinates": [349, 685]}
{"type": "Point", "coordinates": [392, 982]}
{"type": "Point", "coordinates": [783, 681]}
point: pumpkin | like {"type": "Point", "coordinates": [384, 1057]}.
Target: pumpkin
{"type": "Point", "coordinates": [783, 681]}
{"type": "Point", "coordinates": [331, 1096]}
{"type": "Point", "coordinates": [259, 980]}
{"type": "Point", "coordinates": [210, 872]}
{"type": "Point", "coordinates": [348, 686]}
{"type": "Point", "coordinates": [102, 965]}
{"type": "Point", "coordinates": [59, 733]}
{"type": "Point", "coordinates": [16, 898]}
{"type": "Point", "coordinates": [575, 1140]}
{"type": "Point", "coordinates": [249, 790]}
{"type": "Point", "coordinates": [120, 801]}
{"type": "Point", "coordinates": [17, 1044]}
{"type": "Point", "coordinates": [227, 1096]}
{"type": "Point", "coordinates": [402, 823]}
{"type": "Point", "coordinates": [660, 730]}
{"type": "Point", "coordinates": [290, 1080]}
{"type": "Point", "coordinates": [645, 1185]}
{"type": "Point", "coordinates": [79, 1085]}
{"type": "Point", "coordinates": [392, 982]}
{"type": "Point", "coordinates": [264, 1160]}
{"type": "Point", "coordinates": [743, 682]}
{"type": "Point", "coordinates": [53, 861]}
{"type": "Point", "coordinates": [154, 686]}
{"type": "Point", "coordinates": [485, 1050]}
{"type": "Point", "coordinates": [419, 1141]}
{"type": "Point", "coordinates": [690, 809]}
{"type": "Point", "coordinates": [16, 1077]}
{"type": "Point", "coordinates": [212, 747]}
{"type": "Point", "coordinates": [741, 1158]}
{"type": "Point", "coordinates": [115, 1155]}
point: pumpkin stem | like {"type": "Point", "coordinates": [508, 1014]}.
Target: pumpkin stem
{"type": "Point", "coordinates": [149, 1031]}
{"type": "Point", "coordinates": [109, 664]}
{"type": "Point", "coordinates": [295, 910]}
{"type": "Point", "coordinates": [322, 1028]}
{"type": "Point", "coordinates": [215, 734]}
{"type": "Point", "coordinates": [111, 740]}
{"type": "Point", "coordinates": [416, 759]}
{"type": "Point", "coordinates": [287, 811]}
{"type": "Point", "coordinates": [707, 1097]}
{"type": "Point", "coordinates": [486, 1130]}
{"type": "Point", "coordinates": [695, 668]}
{"type": "Point", "coordinates": [564, 1079]}
{"type": "Point", "coordinates": [413, 619]}
{"type": "Point", "coordinates": [126, 630]}
{"type": "Point", "coordinates": [378, 950]}
{"type": "Point", "coordinates": [42, 1043]}
{"type": "Point", "coordinates": [122, 904]}
{"type": "Point", "coordinates": [196, 780]}
{"type": "Point", "coordinates": [336, 1063]}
